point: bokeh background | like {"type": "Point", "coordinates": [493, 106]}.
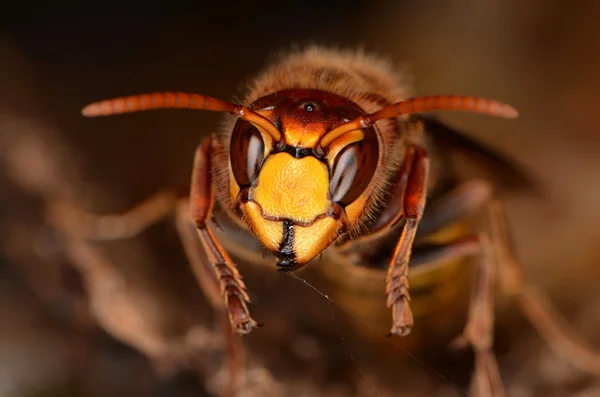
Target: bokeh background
{"type": "Point", "coordinates": [541, 56]}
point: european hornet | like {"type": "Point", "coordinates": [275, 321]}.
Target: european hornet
{"type": "Point", "coordinates": [332, 156]}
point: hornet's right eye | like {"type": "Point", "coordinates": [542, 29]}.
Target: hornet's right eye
{"type": "Point", "coordinates": [247, 153]}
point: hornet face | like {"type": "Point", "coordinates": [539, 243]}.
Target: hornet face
{"type": "Point", "coordinates": [298, 194]}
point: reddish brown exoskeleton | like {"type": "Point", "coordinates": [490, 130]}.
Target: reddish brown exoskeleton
{"type": "Point", "coordinates": [332, 156]}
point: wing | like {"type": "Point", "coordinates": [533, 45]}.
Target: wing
{"type": "Point", "coordinates": [463, 150]}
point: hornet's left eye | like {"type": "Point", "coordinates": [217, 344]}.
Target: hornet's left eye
{"type": "Point", "coordinates": [352, 172]}
{"type": "Point", "coordinates": [247, 154]}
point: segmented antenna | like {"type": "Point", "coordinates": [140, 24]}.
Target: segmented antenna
{"type": "Point", "coordinates": [179, 100]}
{"type": "Point", "coordinates": [420, 105]}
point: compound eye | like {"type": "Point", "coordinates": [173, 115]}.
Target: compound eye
{"type": "Point", "coordinates": [247, 153]}
{"type": "Point", "coordinates": [353, 170]}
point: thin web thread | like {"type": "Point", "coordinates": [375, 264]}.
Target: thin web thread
{"type": "Point", "coordinates": [337, 326]}
{"type": "Point", "coordinates": [355, 318]}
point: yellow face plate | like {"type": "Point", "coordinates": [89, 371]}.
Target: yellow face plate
{"type": "Point", "coordinates": [294, 189]}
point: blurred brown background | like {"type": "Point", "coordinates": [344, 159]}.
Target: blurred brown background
{"type": "Point", "coordinates": [540, 56]}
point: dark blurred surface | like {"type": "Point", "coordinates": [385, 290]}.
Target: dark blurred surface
{"type": "Point", "coordinates": [541, 57]}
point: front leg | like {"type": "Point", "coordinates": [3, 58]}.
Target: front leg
{"type": "Point", "coordinates": [415, 172]}
{"type": "Point", "coordinates": [202, 195]}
